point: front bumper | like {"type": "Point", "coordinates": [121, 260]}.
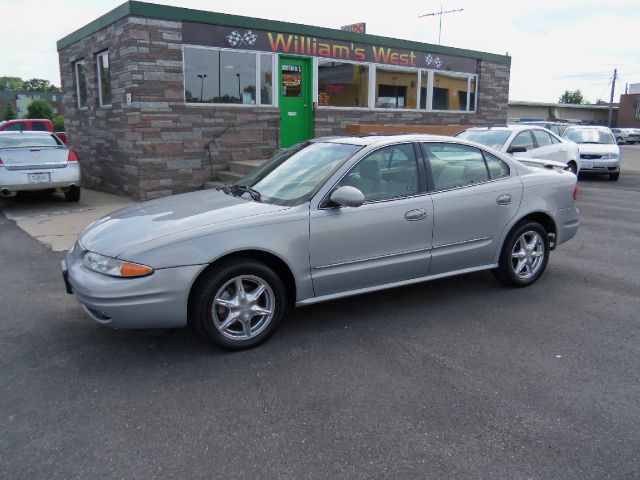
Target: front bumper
{"type": "Point", "coordinates": [599, 165]}
{"type": "Point", "coordinates": [156, 301]}
{"type": "Point", "coordinates": [18, 180]}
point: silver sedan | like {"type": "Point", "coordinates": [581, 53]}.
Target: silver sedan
{"type": "Point", "coordinates": [326, 219]}
{"type": "Point", "coordinates": [37, 161]}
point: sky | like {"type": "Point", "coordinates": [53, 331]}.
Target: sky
{"type": "Point", "coordinates": [554, 45]}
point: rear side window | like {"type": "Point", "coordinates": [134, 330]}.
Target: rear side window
{"type": "Point", "coordinates": [39, 126]}
{"type": "Point", "coordinates": [523, 139]}
{"type": "Point", "coordinates": [543, 138]}
{"type": "Point", "coordinates": [455, 166]}
{"type": "Point", "coordinates": [497, 168]}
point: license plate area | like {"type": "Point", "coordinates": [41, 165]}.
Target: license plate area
{"type": "Point", "coordinates": [39, 177]}
{"type": "Point", "coordinates": [587, 164]}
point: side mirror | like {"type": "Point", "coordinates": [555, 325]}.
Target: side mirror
{"type": "Point", "coordinates": [517, 150]}
{"type": "Point", "coordinates": [347, 197]}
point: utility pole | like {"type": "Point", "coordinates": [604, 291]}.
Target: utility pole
{"type": "Point", "coordinates": [613, 87]}
{"type": "Point", "coordinates": [201, 76]}
{"type": "Point", "coordinates": [440, 13]}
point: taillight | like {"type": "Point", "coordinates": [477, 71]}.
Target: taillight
{"type": "Point", "coordinates": [575, 192]}
{"type": "Point", "coordinates": [73, 157]}
{"type": "Point", "coordinates": [1, 164]}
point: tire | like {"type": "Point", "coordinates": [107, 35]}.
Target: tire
{"type": "Point", "coordinates": [572, 168]}
{"type": "Point", "coordinates": [614, 176]}
{"type": "Point", "coordinates": [522, 275]}
{"type": "Point", "coordinates": [619, 140]}
{"type": "Point", "coordinates": [73, 194]}
{"type": "Point", "coordinates": [219, 286]}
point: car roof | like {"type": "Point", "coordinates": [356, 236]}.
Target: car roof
{"type": "Point", "coordinates": [509, 128]}
{"type": "Point", "coordinates": [374, 139]}
{"type": "Point", "coordinates": [25, 132]}
{"type": "Point", "coordinates": [583, 127]}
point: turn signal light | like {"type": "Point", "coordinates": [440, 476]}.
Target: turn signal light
{"type": "Point", "coordinates": [134, 270]}
{"type": "Point", "coordinates": [73, 157]}
{"type": "Point", "coordinates": [575, 192]}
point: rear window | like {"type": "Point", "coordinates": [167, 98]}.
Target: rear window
{"type": "Point", "coordinates": [490, 138]}
{"type": "Point", "coordinates": [39, 127]}
{"type": "Point", "coordinates": [28, 140]}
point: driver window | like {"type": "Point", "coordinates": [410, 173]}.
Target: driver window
{"type": "Point", "coordinates": [389, 172]}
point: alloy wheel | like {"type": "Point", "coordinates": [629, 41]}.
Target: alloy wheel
{"type": "Point", "coordinates": [527, 256]}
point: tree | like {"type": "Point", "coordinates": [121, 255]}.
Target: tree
{"type": "Point", "coordinates": [40, 109]}
{"type": "Point", "coordinates": [574, 97]}
{"type": "Point", "coordinates": [9, 112]}
{"type": "Point", "coordinates": [58, 122]}
{"type": "Point", "coordinates": [11, 83]}
{"type": "Point", "coordinates": [39, 85]}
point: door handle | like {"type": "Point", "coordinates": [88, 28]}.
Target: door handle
{"type": "Point", "coordinates": [504, 199]}
{"type": "Point", "coordinates": [414, 215]}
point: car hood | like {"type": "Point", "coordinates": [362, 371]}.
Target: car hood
{"type": "Point", "coordinates": [133, 226]}
{"type": "Point", "coordinates": [597, 148]}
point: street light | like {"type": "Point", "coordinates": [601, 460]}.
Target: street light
{"type": "Point", "coordinates": [201, 76]}
{"type": "Point", "coordinates": [239, 97]}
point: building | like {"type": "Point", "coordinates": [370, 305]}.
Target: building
{"type": "Point", "coordinates": [159, 99]}
{"type": "Point", "coordinates": [20, 101]}
{"type": "Point", "coordinates": [629, 115]}
{"type": "Point", "coordinates": [588, 114]}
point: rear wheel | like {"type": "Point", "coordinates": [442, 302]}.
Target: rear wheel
{"type": "Point", "coordinates": [619, 140]}
{"type": "Point", "coordinates": [73, 194]}
{"type": "Point", "coordinates": [524, 255]}
{"type": "Point", "coordinates": [239, 305]}
{"type": "Point", "coordinates": [614, 176]}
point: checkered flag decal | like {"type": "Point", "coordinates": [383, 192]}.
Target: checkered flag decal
{"type": "Point", "coordinates": [237, 40]}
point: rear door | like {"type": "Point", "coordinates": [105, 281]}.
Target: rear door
{"type": "Point", "coordinates": [524, 139]}
{"type": "Point", "coordinates": [549, 149]}
{"type": "Point", "coordinates": [475, 196]}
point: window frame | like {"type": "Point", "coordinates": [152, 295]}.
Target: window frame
{"type": "Point", "coordinates": [430, 178]}
{"type": "Point", "coordinates": [537, 144]}
{"type": "Point", "coordinates": [77, 79]}
{"type": "Point", "coordinates": [316, 83]}
{"type": "Point", "coordinates": [373, 91]}
{"type": "Point", "coordinates": [469, 76]}
{"type": "Point", "coordinates": [275, 84]}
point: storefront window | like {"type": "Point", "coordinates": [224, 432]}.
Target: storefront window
{"type": "Point", "coordinates": [449, 92]}
{"type": "Point", "coordinates": [266, 79]}
{"type": "Point", "coordinates": [219, 76]}
{"type": "Point", "coordinates": [396, 88]}
{"type": "Point", "coordinates": [342, 84]}
{"type": "Point", "coordinates": [104, 79]}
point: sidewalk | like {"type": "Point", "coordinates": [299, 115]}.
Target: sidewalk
{"type": "Point", "coordinates": [55, 222]}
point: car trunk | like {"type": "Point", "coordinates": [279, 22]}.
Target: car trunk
{"type": "Point", "coordinates": [28, 158]}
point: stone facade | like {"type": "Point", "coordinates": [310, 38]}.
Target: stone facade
{"type": "Point", "coordinates": [157, 145]}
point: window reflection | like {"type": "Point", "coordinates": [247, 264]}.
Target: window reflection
{"type": "Point", "coordinates": [342, 84]}
{"type": "Point", "coordinates": [396, 88]}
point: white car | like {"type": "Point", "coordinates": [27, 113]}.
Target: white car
{"type": "Point", "coordinates": [599, 152]}
{"type": "Point", "coordinates": [526, 141]}
{"type": "Point", "coordinates": [37, 161]}
{"type": "Point", "coordinates": [626, 135]}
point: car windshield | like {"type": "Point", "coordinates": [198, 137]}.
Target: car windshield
{"type": "Point", "coordinates": [26, 140]}
{"type": "Point", "coordinates": [589, 135]}
{"type": "Point", "coordinates": [491, 138]}
{"type": "Point", "coordinates": [294, 175]}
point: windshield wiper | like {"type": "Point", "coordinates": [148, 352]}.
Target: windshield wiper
{"type": "Point", "coordinates": [255, 195]}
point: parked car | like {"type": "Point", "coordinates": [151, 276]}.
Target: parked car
{"type": "Point", "coordinates": [553, 127]}
{"type": "Point", "coordinates": [32, 125]}
{"type": "Point", "coordinates": [598, 149]}
{"type": "Point", "coordinates": [626, 135]}
{"type": "Point", "coordinates": [32, 161]}
{"type": "Point", "coordinates": [527, 142]}
{"type": "Point", "coordinates": [325, 219]}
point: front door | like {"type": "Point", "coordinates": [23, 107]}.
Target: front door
{"type": "Point", "coordinates": [295, 100]}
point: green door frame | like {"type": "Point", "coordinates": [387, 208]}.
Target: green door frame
{"type": "Point", "coordinates": [296, 111]}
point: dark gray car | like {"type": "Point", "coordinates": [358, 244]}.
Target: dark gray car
{"type": "Point", "coordinates": [325, 219]}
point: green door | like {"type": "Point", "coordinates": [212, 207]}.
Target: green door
{"type": "Point", "coordinates": [295, 100]}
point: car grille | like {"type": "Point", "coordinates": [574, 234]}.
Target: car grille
{"type": "Point", "coordinates": [590, 156]}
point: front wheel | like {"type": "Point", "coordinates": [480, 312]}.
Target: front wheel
{"type": "Point", "coordinates": [614, 176]}
{"type": "Point", "coordinates": [239, 305]}
{"type": "Point", "coordinates": [524, 255]}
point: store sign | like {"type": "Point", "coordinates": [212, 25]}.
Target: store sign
{"type": "Point", "coordinates": [287, 43]}
{"type": "Point", "coordinates": [355, 27]}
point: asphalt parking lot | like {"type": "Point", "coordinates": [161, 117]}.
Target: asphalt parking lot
{"type": "Point", "coordinates": [458, 378]}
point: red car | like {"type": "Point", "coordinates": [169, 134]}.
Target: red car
{"type": "Point", "coordinates": [32, 125]}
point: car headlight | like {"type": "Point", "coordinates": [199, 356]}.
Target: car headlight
{"type": "Point", "coordinates": [610, 156]}
{"type": "Point", "coordinates": [114, 267]}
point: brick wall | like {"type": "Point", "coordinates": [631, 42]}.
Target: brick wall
{"type": "Point", "coordinates": [157, 145]}
{"type": "Point", "coordinates": [627, 111]}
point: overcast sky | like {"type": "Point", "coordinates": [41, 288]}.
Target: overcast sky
{"type": "Point", "coordinates": [555, 45]}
